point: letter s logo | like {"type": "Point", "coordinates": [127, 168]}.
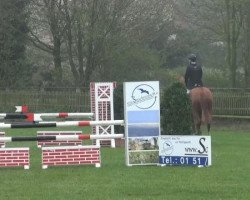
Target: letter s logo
{"type": "Point", "coordinates": [204, 149]}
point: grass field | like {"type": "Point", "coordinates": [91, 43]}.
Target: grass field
{"type": "Point", "coordinates": [227, 178]}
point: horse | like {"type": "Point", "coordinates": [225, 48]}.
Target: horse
{"type": "Point", "coordinates": [202, 100]}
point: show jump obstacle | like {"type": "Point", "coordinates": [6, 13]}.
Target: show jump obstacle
{"type": "Point", "coordinates": [103, 127]}
{"type": "Point", "coordinates": [101, 106]}
{"type": "Point", "coordinates": [54, 156]}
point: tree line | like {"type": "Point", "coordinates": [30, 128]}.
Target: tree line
{"type": "Point", "coordinates": [69, 43]}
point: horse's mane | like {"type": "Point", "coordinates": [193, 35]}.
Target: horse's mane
{"type": "Point", "coordinates": [180, 79]}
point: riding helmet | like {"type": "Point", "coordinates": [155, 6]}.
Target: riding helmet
{"type": "Point", "coordinates": [192, 57]}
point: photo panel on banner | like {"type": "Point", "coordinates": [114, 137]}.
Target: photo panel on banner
{"type": "Point", "coordinates": [142, 118]}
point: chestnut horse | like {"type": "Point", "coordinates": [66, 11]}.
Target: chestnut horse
{"type": "Point", "coordinates": [202, 99]}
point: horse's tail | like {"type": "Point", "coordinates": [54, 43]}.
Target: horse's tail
{"type": "Point", "coordinates": [207, 112]}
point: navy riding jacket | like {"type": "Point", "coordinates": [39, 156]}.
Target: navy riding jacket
{"type": "Point", "coordinates": [193, 76]}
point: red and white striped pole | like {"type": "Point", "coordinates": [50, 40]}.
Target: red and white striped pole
{"type": "Point", "coordinates": [60, 137]}
{"type": "Point", "coordinates": [22, 113]}
{"type": "Point", "coordinates": [60, 124]}
{"type": "Point", "coordinates": [64, 114]}
{"type": "Point", "coordinates": [39, 116]}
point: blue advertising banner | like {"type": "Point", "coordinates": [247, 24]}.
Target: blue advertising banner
{"type": "Point", "coordinates": [185, 150]}
{"type": "Point", "coordinates": [142, 118]}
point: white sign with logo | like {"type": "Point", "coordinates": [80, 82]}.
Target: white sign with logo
{"type": "Point", "coordinates": [185, 150]}
{"type": "Point", "coordinates": [142, 118]}
{"type": "Point", "coordinates": [142, 96]}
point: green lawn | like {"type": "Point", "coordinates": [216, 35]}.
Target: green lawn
{"type": "Point", "coordinates": [227, 178]}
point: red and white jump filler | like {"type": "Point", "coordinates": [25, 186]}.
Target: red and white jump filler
{"type": "Point", "coordinates": [54, 156]}
{"type": "Point", "coordinates": [15, 157]}
{"type": "Point", "coordinates": [74, 155]}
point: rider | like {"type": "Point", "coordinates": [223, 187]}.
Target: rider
{"type": "Point", "coordinates": [193, 75]}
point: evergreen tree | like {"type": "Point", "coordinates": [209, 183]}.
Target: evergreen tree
{"type": "Point", "coordinates": [176, 111]}
{"type": "Point", "coordinates": [14, 69]}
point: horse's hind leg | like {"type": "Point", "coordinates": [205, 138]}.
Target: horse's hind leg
{"type": "Point", "coordinates": [193, 128]}
{"type": "Point", "coordinates": [208, 128]}
{"type": "Point", "coordinates": [198, 124]}
{"type": "Point", "coordinates": [198, 128]}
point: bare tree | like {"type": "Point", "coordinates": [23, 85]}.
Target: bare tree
{"type": "Point", "coordinates": [89, 26]}
{"type": "Point", "coordinates": [88, 32]}
{"type": "Point", "coordinates": [223, 21]}
{"type": "Point", "coordinates": [246, 43]}
{"type": "Point", "coordinates": [47, 31]}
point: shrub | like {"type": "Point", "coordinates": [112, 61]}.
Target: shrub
{"type": "Point", "coordinates": [176, 111]}
{"type": "Point", "coordinates": [118, 107]}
